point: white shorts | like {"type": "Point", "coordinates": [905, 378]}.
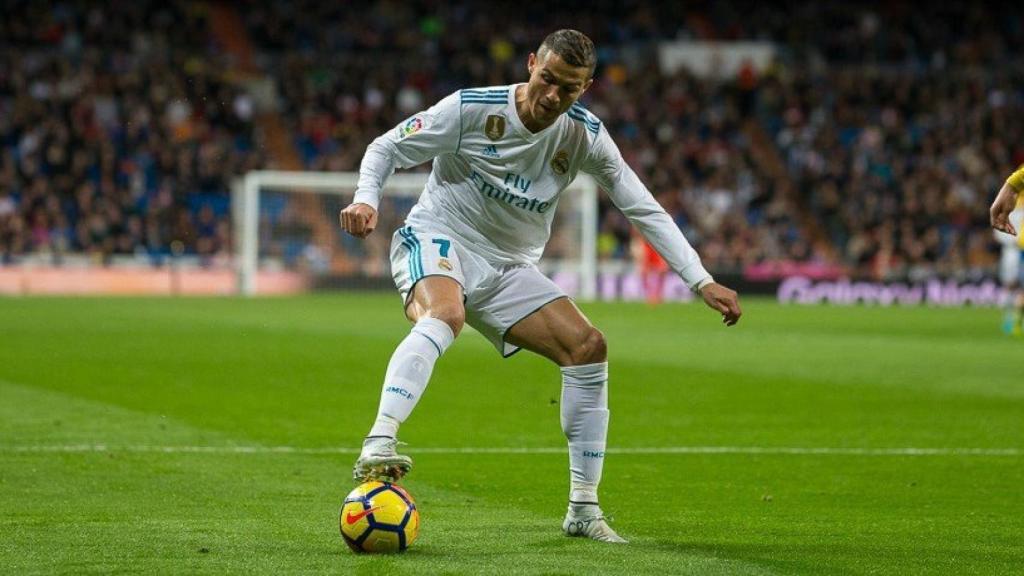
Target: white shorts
{"type": "Point", "coordinates": [496, 296]}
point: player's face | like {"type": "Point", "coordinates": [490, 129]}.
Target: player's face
{"type": "Point", "coordinates": [554, 86]}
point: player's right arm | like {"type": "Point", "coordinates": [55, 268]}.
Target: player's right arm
{"type": "Point", "coordinates": [1006, 201]}
{"type": "Point", "coordinates": [413, 141]}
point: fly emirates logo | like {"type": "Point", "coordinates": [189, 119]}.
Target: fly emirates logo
{"type": "Point", "coordinates": [505, 194]}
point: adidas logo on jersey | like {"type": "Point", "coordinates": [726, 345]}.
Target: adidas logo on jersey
{"type": "Point", "coordinates": [491, 151]}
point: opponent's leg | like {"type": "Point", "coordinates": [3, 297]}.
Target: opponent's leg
{"type": "Point", "coordinates": [1018, 325]}
{"type": "Point", "coordinates": [560, 332]}
{"type": "Point", "coordinates": [437, 311]}
{"type": "Point", "coordinates": [1018, 303]}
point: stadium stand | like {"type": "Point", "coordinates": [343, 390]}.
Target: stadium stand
{"type": "Point", "coordinates": [804, 164]}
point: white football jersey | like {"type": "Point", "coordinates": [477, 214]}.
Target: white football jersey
{"type": "Point", "coordinates": [495, 185]}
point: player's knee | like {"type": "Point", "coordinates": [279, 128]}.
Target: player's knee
{"type": "Point", "coordinates": [590, 349]}
{"type": "Point", "coordinates": [452, 315]}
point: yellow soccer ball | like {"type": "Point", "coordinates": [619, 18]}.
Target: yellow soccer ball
{"type": "Point", "coordinates": [379, 517]}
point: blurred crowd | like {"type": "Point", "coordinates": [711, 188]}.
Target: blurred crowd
{"type": "Point", "coordinates": [118, 132]}
{"type": "Point", "coordinates": [873, 144]}
{"type": "Point", "coordinates": [900, 170]}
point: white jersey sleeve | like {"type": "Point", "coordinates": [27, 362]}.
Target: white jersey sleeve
{"type": "Point", "coordinates": [605, 163]}
{"type": "Point", "coordinates": [414, 141]}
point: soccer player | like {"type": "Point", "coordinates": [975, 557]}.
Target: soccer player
{"type": "Point", "coordinates": [1003, 220]}
{"type": "Point", "coordinates": [468, 252]}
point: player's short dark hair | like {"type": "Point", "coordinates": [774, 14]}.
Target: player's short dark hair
{"type": "Point", "coordinates": [572, 46]}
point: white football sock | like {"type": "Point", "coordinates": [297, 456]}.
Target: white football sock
{"type": "Point", "coordinates": [585, 423]}
{"type": "Point", "coordinates": [408, 373]}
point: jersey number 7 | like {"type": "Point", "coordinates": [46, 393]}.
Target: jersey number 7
{"type": "Point", "coordinates": [445, 245]}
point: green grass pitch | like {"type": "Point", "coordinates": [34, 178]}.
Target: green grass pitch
{"type": "Point", "coordinates": [850, 390]}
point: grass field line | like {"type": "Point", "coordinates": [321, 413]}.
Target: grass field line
{"type": "Point", "coordinates": [753, 450]}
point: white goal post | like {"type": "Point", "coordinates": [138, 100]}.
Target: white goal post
{"type": "Point", "coordinates": [578, 205]}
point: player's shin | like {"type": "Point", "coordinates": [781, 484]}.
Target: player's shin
{"type": "Point", "coordinates": [585, 423]}
{"type": "Point", "coordinates": [408, 373]}
{"type": "Point", "coordinates": [406, 379]}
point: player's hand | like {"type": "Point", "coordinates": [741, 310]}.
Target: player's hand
{"type": "Point", "coordinates": [999, 214]}
{"type": "Point", "coordinates": [358, 220]}
{"type": "Point", "coordinates": [724, 300]}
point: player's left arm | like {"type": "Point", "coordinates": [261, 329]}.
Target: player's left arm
{"type": "Point", "coordinates": [1006, 202]}
{"type": "Point", "coordinates": [605, 163]}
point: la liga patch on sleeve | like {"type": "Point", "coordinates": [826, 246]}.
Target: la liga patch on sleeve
{"type": "Point", "coordinates": [410, 127]}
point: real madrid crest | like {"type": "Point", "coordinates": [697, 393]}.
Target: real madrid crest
{"type": "Point", "coordinates": [495, 126]}
{"type": "Point", "coordinates": [560, 163]}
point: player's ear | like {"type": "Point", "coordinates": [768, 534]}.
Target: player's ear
{"type": "Point", "coordinates": [586, 85]}
{"type": "Point", "coordinates": [531, 62]}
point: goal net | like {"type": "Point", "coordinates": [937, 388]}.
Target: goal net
{"type": "Point", "coordinates": [287, 222]}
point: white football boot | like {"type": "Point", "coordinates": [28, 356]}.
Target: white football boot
{"type": "Point", "coordinates": [592, 524]}
{"type": "Point", "coordinates": [379, 461]}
